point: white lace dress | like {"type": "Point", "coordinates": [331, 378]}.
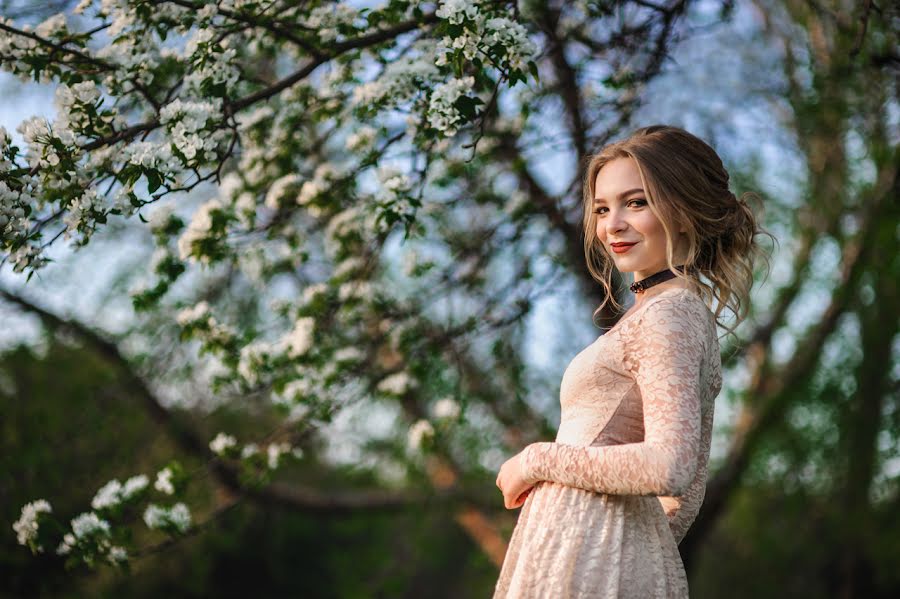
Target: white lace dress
{"type": "Point", "coordinates": [618, 489]}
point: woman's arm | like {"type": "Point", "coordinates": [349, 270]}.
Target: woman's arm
{"type": "Point", "coordinates": [663, 351]}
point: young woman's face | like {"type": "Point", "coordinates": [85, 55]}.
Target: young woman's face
{"type": "Point", "coordinates": [624, 216]}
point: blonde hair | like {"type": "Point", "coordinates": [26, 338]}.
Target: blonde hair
{"type": "Point", "coordinates": [686, 186]}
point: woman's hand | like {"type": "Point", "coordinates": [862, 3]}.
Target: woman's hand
{"type": "Point", "coordinates": [510, 482]}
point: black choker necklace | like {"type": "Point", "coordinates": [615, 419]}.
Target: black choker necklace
{"type": "Point", "coordinates": [659, 277]}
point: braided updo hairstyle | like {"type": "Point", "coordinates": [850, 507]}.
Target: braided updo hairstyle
{"type": "Point", "coordinates": [686, 185]}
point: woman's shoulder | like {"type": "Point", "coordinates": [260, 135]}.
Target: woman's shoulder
{"type": "Point", "coordinates": [675, 307]}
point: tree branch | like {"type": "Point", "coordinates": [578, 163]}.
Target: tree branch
{"type": "Point", "coordinates": [775, 389]}
{"type": "Point", "coordinates": [277, 494]}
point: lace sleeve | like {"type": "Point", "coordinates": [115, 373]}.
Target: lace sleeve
{"type": "Point", "coordinates": [663, 351]}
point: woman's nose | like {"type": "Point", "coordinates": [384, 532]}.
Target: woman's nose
{"type": "Point", "coordinates": [614, 222]}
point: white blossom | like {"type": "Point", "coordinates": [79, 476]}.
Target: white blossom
{"type": "Point", "coordinates": [392, 179]}
{"type": "Point", "coordinates": [89, 524]}
{"type": "Point", "coordinates": [517, 200]}
{"type": "Point", "coordinates": [151, 154]}
{"type": "Point", "coordinates": [514, 37]}
{"type": "Point", "coordinates": [249, 450]}
{"type": "Point", "coordinates": [442, 114]}
{"type": "Point", "coordinates": [311, 291]}
{"type": "Point", "coordinates": [324, 20]}
{"type": "Point", "coordinates": [67, 544]}
{"type": "Point", "coordinates": [134, 485]}
{"type": "Point", "coordinates": [117, 554]}
{"type": "Point", "coordinates": [277, 191]}
{"type": "Point", "coordinates": [446, 407]}
{"type": "Point", "coordinates": [199, 311]}
{"type": "Point", "coordinates": [274, 452]}
{"type": "Point", "coordinates": [206, 327]}
{"type": "Point", "coordinates": [321, 180]}
{"type": "Point", "coordinates": [221, 443]}
{"type": "Point", "coordinates": [26, 526]}
{"type": "Point", "coordinates": [354, 289]}
{"type": "Point", "coordinates": [401, 78]}
{"type": "Point", "coordinates": [418, 432]}
{"type": "Point", "coordinates": [361, 139]}
{"type": "Point", "coordinates": [185, 120]}
{"type": "Point", "coordinates": [253, 357]}
{"type": "Point", "coordinates": [178, 516]}
{"type": "Point", "coordinates": [343, 224]}
{"type": "Point", "coordinates": [348, 354]}
{"type": "Point", "coordinates": [395, 384]}
{"type": "Point", "coordinates": [259, 114]}
{"type": "Point", "coordinates": [51, 26]}
{"type": "Point", "coordinates": [300, 339]}
{"type": "Point", "coordinates": [163, 482]}
{"type": "Point", "coordinates": [292, 397]}
{"type": "Point", "coordinates": [154, 516]}
{"type": "Point", "coordinates": [456, 11]}
{"type": "Point", "coordinates": [107, 496]}
{"type": "Point", "coordinates": [352, 265]}
{"type": "Point", "coordinates": [199, 228]}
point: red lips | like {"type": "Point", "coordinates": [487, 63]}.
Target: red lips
{"type": "Point", "coordinates": [621, 247]}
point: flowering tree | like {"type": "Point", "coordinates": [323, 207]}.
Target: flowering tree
{"type": "Point", "coordinates": [327, 133]}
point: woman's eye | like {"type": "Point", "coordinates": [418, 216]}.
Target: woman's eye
{"type": "Point", "coordinates": [641, 202]}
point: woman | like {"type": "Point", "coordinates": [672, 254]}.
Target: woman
{"type": "Point", "coordinates": [605, 505]}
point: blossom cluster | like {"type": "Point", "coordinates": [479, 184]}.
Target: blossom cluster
{"type": "Point", "coordinates": [187, 88]}
{"type": "Point", "coordinates": [186, 123]}
{"type": "Point", "coordinates": [92, 537]}
{"type": "Point", "coordinates": [113, 493]}
{"type": "Point", "coordinates": [445, 410]}
{"type": "Point", "coordinates": [257, 356]}
{"type": "Point", "coordinates": [362, 139]}
{"type": "Point", "coordinates": [17, 52]}
{"type": "Point", "coordinates": [198, 322]}
{"type": "Point", "coordinates": [419, 433]}
{"type": "Point", "coordinates": [313, 190]}
{"type": "Point", "coordinates": [498, 38]}
{"type": "Point", "coordinates": [164, 482]}
{"type": "Point", "coordinates": [294, 398]}
{"type": "Point", "coordinates": [443, 114]}
{"type": "Point", "coordinates": [392, 200]}
{"type": "Point", "coordinates": [187, 97]}
{"type": "Point", "coordinates": [396, 384]}
{"type": "Point", "coordinates": [400, 79]}
{"type": "Point", "coordinates": [27, 526]}
{"type": "Point", "coordinates": [212, 68]}
{"type": "Point", "coordinates": [204, 238]}
{"type": "Point", "coordinates": [174, 519]}
{"type": "Point", "coordinates": [16, 201]}
{"type": "Point", "coordinates": [457, 11]}
{"type": "Point", "coordinates": [446, 407]}
{"type": "Point", "coordinates": [328, 20]}
{"type": "Point", "coordinates": [224, 445]}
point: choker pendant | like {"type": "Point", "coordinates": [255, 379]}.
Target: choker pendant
{"type": "Point", "coordinates": [654, 279]}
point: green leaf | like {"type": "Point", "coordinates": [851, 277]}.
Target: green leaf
{"type": "Point", "coordinates": [532, 68]}
{"type": "Point", "coordinates": [153, 181]}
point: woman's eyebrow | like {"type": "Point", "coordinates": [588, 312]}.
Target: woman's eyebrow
{"type": "Point", "coordinates": [621, 195]}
